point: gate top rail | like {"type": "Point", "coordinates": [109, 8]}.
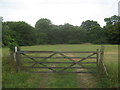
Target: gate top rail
{"type": "Point", "coordinates": [35, 63]}
{"type": "Point", "coordinates": [57, 52]}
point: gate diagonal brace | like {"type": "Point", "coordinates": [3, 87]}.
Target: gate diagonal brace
{"type": "Point", "coordinates": [49, 56]}
{"type": "Point", "coordinates": [70, 59]}
{"type": "Point", "coordinates": [45, 58]}
{"type": "Point", "coordinates": [38, 62]}
{"type": "Point", "coordinates": [78, 62]}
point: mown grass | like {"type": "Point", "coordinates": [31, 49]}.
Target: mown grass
{"type": "Point", "coordinates": [11, 79]}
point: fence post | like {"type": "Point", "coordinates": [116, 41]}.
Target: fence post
{"type": "Point", "coordinates": [101, 59]}
{"type": "Point", "coordinates": [102, 52]}
{"type": "Point", "coordinates": [97, 57]}
{"type": "Point", "coordinates": [17, 57]}
{"type": "Point", "coordinates": [11, 59]}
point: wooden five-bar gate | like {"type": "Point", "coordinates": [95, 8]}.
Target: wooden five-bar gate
{"type": "Point", "coordinates": [25, 60]}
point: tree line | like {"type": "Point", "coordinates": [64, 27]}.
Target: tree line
{"type": "Point", "coordinates": [45, 32]}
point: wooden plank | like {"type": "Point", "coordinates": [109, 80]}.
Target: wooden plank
{"type": "Point", "coordinates": [57, 51]}
{"type": "Point", "coordinates": [35, 62]}
{"type": "Point", "coordinates": [36, 51]}
{"type": "Point", "coordinates": [61, 62]}
{"type": "Point", "coordinates": [71, 59]}
{"type": "Point", "coordinates": [43, 63]}
{"type": "Point", "coordinates": [60, 67]}
{"type": "Point", "coordinates": [57, 72]}
{"type": "Point", "coordinates": [60, 57]}
{"type": "Point", "coordinates": [48, 56]}
{"type": "Point", "coordinates": [78, 61]}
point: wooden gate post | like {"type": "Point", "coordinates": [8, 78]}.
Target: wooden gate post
{"type": "Point", "coordinates": [97, 57]}
{"type": "Point", "coordinates": [11, 59]}
{"type": "Point", "coordinates": [101, 59]}
{"type": "Point", "coordinates": [102, 52]}
{"type": "Point", "coordinates": [18, 59]}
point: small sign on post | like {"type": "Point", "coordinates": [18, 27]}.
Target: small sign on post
{"type": "Point", "coordinates": [15, 49]}
{"type": "Point", "coordinates": [17, 58]}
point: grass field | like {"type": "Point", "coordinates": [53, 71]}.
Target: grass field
{"type": "Point", "coordinates": [11, 79]}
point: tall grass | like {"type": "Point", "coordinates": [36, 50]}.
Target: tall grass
{"type": "Point", "coordinates": [111, 62]}
{"type": "Point", "coordinates": [11, 79]}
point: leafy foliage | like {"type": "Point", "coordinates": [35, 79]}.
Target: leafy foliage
{"type": "Point", "coordinates": [45, 32]}
{"type": "Point", "coordinates": [90, 25]}
{"type": "Point", "coordinates": [113, 29]}
{"type": "Point", "coordinates": [21, 32]}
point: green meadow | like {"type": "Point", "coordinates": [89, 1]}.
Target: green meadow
{"type": "Point", "coordinates": [22, 79]}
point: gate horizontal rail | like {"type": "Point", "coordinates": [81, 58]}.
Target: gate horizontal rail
{"type": "Point", "coordinates": [60, 67]}
{"type": "Point", "coordinates": [57, 52]}
{"type": "Point", "coordinates": [35, 62]}
{"type": "Point", "coordinates": [58, 72]}
{"type": "Point", "coordinates": [62, 57]}
{"type": "Point", "coordinates": [64, 62]}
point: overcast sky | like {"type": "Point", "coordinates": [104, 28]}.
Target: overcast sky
{"type": "Point", "coordinates": [58, 11]}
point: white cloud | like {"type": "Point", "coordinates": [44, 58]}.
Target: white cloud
{"type": "Point", "coordinates": [58, 11]}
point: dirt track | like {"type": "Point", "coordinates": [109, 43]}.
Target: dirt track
{"type": "Point", "coordinates": [86, 80]}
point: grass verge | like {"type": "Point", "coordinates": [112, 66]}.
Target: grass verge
{"type": "Point", "coordinates": [11, 79]}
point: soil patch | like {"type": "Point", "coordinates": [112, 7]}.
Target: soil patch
{"type": "Point", "coordinates": [86, 80]}
{"type": "Point", "coordinates": [111, 52]}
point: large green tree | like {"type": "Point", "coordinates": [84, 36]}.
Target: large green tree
{"type": "Point", "coordinates": [112, 20]}
{"type": "Point", "coordinates": [24, 33]}
{"type": "Point", "coordinates": [89, 25]}
{"type": "Point", "coordinates": [113, 29]}
{"type": "Point", "coordinates": [8, 35]}
{"type": "Point", "coordinates": [43, 28]}
{"type": "Point", "coordinates": [43, 24]}
{"type": "Point", "coordinates": [95, 34]}
{"type": "Point", "coordinates": [47, 33]}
